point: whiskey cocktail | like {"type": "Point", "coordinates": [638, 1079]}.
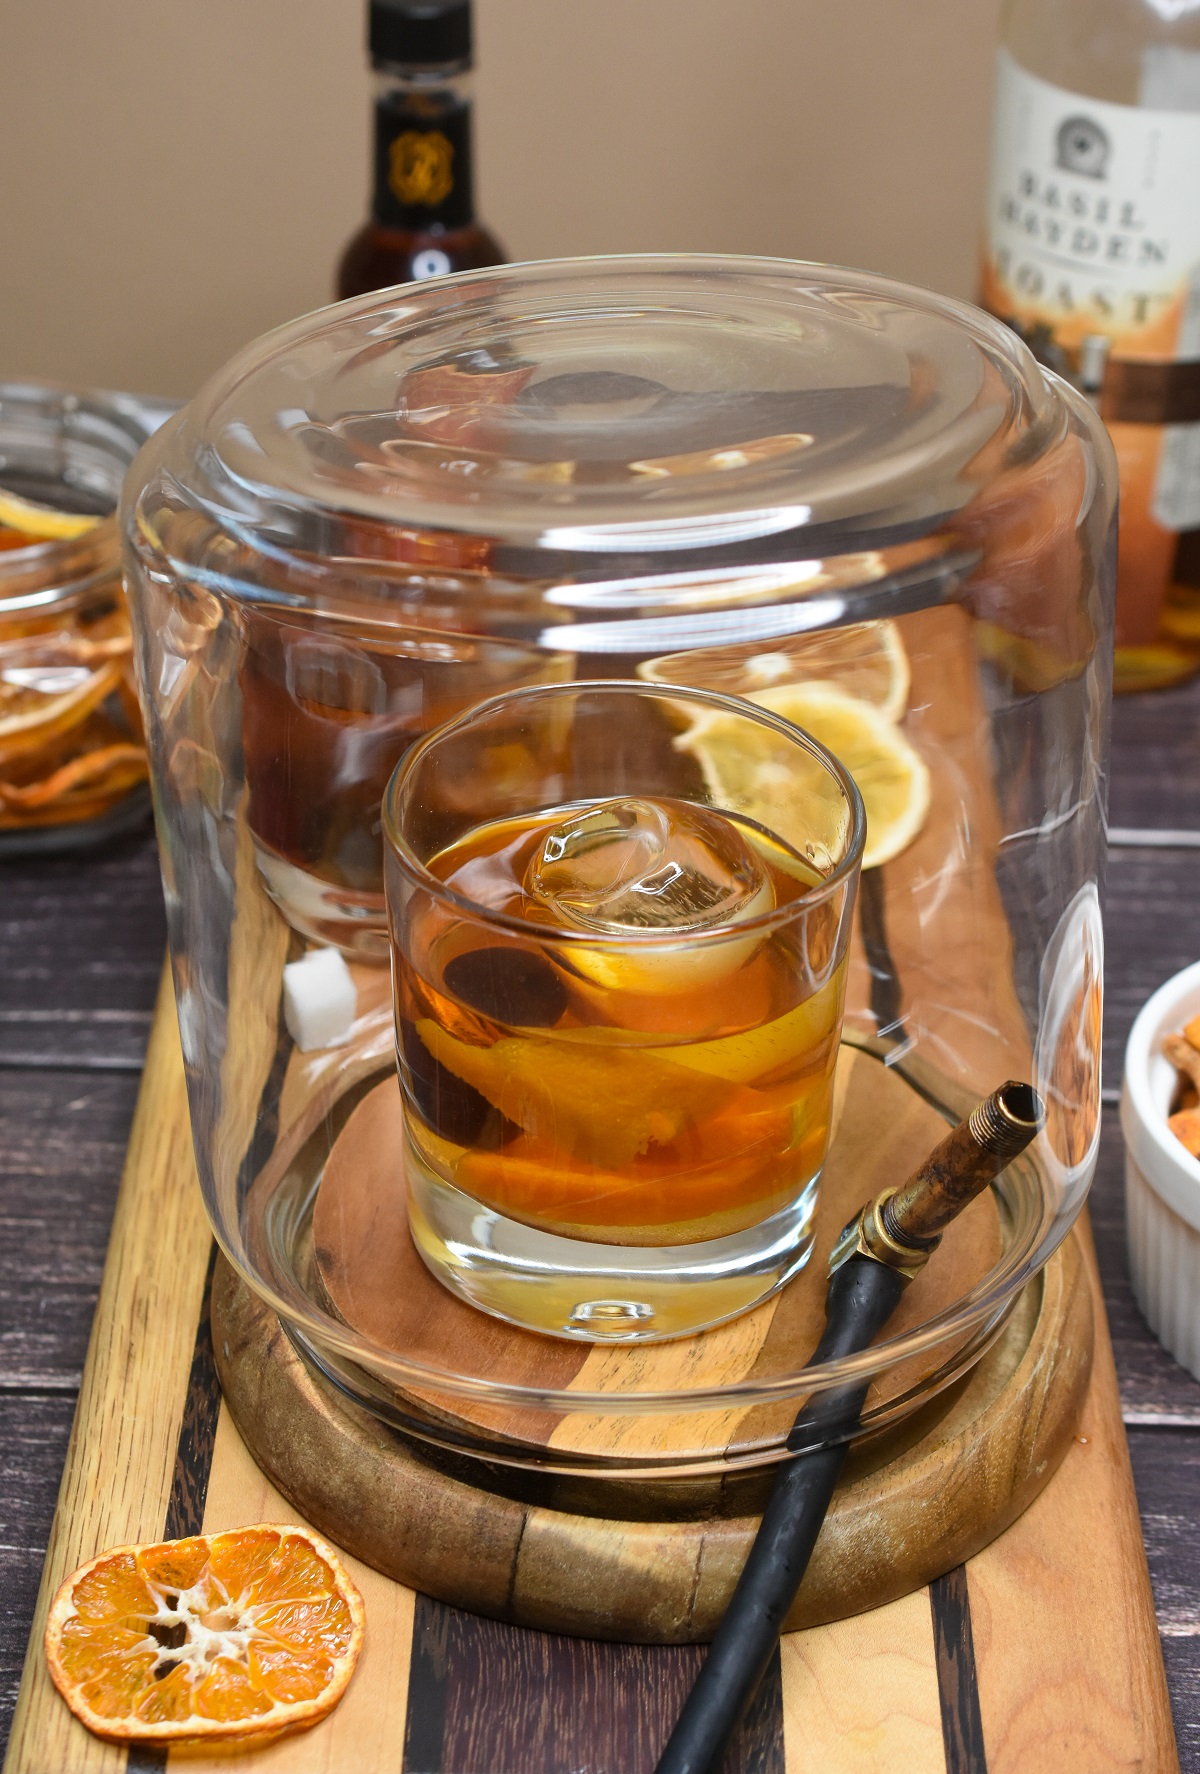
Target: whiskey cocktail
{"type": "Point", "coordinates": [618, 1003]}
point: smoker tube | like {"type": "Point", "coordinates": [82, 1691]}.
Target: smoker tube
{"type": "Point", "coordinates": [872, 1262]}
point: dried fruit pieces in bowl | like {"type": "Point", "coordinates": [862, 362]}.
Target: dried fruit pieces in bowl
{"type": "Point", "coordinates": [1183, 1051]}
{"type": "Point", "coordinates": [70, 734]}
{"type": "Point", "coordinates": [222, 1639]}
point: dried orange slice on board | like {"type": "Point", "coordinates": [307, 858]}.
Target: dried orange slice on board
{"type": "Point", "coordinates": [228, 1638]}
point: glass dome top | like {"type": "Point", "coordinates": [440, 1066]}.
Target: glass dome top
{"type": "Point", "coordinates": [615, 416]}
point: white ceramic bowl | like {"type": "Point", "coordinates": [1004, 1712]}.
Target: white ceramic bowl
{"type": "Point", "coordinates": [1162, 1179]}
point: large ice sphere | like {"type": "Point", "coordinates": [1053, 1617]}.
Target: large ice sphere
{"type": "Point", "coordinates": [632, 865]}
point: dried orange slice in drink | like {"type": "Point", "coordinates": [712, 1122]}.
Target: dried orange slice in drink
{"type": "Point", "coordinates": [227, 1638]}
{"type": "Point", "coordinates": [605, 1106]}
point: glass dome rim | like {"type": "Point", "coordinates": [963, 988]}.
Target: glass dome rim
{"type": "Point", "coordinates": [992, 1296]}
{"type": "Point", "coordinates": [1040, 1210]}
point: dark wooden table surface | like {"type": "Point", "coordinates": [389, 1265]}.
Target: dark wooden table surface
{"type": "Point", "coordinates": [81, 945]}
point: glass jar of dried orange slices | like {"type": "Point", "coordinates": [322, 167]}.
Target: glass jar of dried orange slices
{"type": "Point", "coordinates": [72, 761]}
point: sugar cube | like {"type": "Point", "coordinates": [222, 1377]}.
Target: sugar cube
{"type": "Point", "coordinates": [319, 999]}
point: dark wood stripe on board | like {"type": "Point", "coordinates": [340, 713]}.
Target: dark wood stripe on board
{"type": "Point", "coordinates": [758, 1746]}
{"type": "Point", "coordinates": [198, 1430]}
{"type": "Point", "coordinates": [425, 1724]}
{"type": "Point", "coordinates": [958, 1690]}
{"type": "Point", "coordinates": [266, 1122]}
{"type": "Point", "coordinates": [146, 1761]}
{"type": "Point", "coordinates": [487, 1698]}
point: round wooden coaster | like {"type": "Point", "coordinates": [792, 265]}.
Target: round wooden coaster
{"type": "Point", "coordinates": [377, 1283]}
{"type": "Point", "coordinates": [912, 1504]}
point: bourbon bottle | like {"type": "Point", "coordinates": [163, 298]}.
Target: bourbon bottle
{"type": "Point", "coordinates": [422, 210]}
{"type": "Point", "coordinates": [1092, 253]}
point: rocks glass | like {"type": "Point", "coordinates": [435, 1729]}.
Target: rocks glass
{"type": "Point", "coordinates": [619, 918]}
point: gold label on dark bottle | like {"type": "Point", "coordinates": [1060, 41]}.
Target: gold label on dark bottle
{"type": "Point", "coordinates": [421, 167]}
{"type": "Point", "coordinates": [422, 162]}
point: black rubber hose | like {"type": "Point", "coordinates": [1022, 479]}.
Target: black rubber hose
{"type": "Point", "coordinates": [862, 1296]}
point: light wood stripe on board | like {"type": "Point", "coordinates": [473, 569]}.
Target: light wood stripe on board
{"type": "Point", "coordinates": [121, 1458]}
{"type": "Point", "coordinates": [861, 1696]}
{"type": "Point", "coordinates": [352, 1739]}
{"type": "Point", "coordinates": [1066, 1645]}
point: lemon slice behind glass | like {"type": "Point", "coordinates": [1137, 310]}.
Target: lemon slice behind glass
{"type": "Point", "coordinates": [42, 523]}
{"type": "Point", "coordinates": [866, 660]}
{"type": "Point", "coordinates": [739, 765]}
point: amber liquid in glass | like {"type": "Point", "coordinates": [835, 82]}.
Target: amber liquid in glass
{"type": "Point", "coordinates": [624, 1091]}
{"type": "Point", "coordinates": [326, 718]}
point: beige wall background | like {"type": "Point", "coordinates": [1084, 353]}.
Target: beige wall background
{"type": "Point", "coordinates": [180, 175]}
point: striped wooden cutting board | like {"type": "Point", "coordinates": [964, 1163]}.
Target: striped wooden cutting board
{"type": "Point", "coordinates": [1041, 1654]}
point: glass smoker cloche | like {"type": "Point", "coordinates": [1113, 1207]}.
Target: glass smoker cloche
{"type": "Point", "coordinates": [863, 505]}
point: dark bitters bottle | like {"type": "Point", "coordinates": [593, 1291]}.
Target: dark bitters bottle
{"type": "Point", "coordinates": [422, 209]}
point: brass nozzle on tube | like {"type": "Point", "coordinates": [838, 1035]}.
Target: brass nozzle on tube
{"type": "Point", "coordinates": [903, 1226]}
